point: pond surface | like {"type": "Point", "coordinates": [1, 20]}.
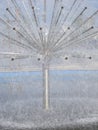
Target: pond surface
{"type": "Point", "coordinates": [73, 100]}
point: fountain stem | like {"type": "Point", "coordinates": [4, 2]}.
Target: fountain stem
{"type": "Point", "coordinates": [46, 83]}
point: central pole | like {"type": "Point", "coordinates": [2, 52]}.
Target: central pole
{"type": "Point", "coordinates": [46, 84]}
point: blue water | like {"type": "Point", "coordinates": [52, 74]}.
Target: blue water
{"type": "Point", "coordinates": [62, 83]}
{"type": "Point", "coordinates": [19, 76]}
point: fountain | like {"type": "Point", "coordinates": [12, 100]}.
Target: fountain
{"type": "Point", "coordinates": [46, 30]}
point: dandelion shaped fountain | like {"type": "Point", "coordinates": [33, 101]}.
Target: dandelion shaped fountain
{"type": "Point", "coordinates": [47, 31]}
